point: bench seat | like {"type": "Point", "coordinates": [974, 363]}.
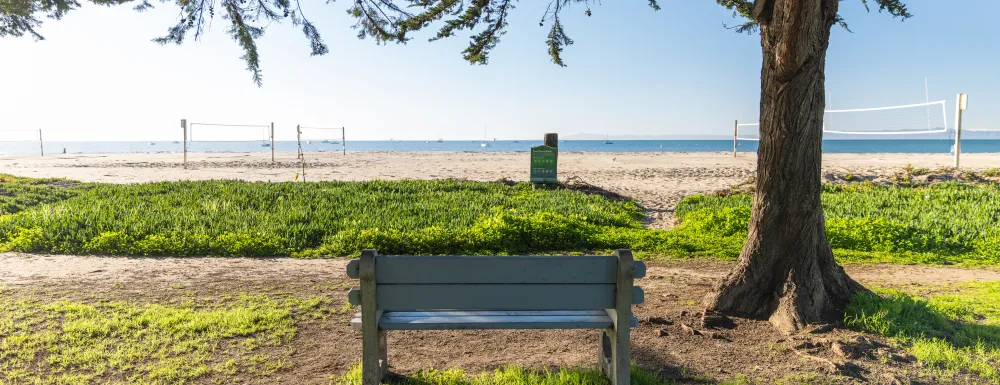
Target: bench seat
{"type": "Point", "coordinates": [465, 320]}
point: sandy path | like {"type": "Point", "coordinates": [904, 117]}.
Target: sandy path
{"type": "Point", "coordinates": [656, 180]}
{"type": "Point", "coordinates": [19, 269]}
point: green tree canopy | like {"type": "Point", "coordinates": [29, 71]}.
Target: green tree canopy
{"type": "Point", "coordinates": [385, 21]}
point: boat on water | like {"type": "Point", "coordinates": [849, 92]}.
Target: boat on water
{"type": "Point", "coordinates": [152, 143]}
{"type": "Point", "coordinates": [177, 142]}
{"type": "Point", "coordinates": [440, 140]}
{"type": "Point", "coordinates": [485, 143]}
{"type": "Point", "coordinates": [607, 139]}
{"type": "Point", "coordinates": [265, 144]}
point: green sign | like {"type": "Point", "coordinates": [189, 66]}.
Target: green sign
{"type": "Point", "coordinates": [543, 164]}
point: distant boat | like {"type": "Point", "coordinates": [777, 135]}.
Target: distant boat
{"type": "Point", "coordinates": [484, 143]}
{"type": "Point", "coordinates": [152, 143]}
{"type": "Point", "coordinates": [494, 139]}
{"type": "Point", "coordinates": [265, 144]}
{"type": "Point", "coordinates": [309, 141]}
{"type": "Point", "coordinates": [607, 139]}
{"type": "Point", "coordinates": [176, 142]}
{"type": "Point", "coordinates": [517, 141]}
{"type": "Point", "coordinates": [440, 140]}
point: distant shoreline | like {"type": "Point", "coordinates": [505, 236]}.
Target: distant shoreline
{"type": "Point", "coordinates": [848, 146]}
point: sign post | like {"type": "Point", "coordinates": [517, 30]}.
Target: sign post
{"type": "Point", "coordinates": [543, 164]}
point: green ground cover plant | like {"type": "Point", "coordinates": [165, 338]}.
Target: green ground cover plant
{"type": "Point", "coordinates": [957, 331]}
{"type": "Point", "coordinates": [64, 341]}
{"type": "Point", "coordinates": [17, 194]}
{"type": "Point", "coordinates": [941, 223]}
{"type": "Point", "coordinates": [947, 223]}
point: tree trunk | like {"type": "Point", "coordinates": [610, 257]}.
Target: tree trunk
{"type": "Point", "coordinates": [786, 271]}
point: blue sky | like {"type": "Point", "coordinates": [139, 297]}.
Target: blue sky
{"type": "Point", "coordinates": [632, 71]}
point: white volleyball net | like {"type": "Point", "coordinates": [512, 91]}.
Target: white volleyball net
{"type": "Point", "coordinates": [225, 137]}
{"type": "Point", "coordinates": [910, 119]}
{"type": "Point", "coordinates": [921, 118]}
{"type": "Point", "coordinates": [319, 139]}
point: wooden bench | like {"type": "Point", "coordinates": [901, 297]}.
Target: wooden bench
{"type": "Point", "coordinates": [495, 292]}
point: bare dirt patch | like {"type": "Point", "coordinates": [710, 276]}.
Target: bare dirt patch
{"type": "Point", "coordinates": [662, 343]}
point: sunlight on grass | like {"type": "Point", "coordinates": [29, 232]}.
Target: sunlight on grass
{"type": "Point", "coordinates": [946, 223]}
{"type": "Point", "coordinates": [959, 331]}
{"type": "Point", "coordinates": [68, 342]}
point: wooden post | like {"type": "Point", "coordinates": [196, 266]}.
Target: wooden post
{"type": "Point", "coordinates": [959, 107]}
{"type": "Point", "coordinates": [185, 127]}
{"type": "Point", "coordinates": [373, 367]}
{"type": "Point", "coordinates": [272, 142]}
{"type": "Point", "coordinates": [614, 345]}
{"type": "Point", "coordinates": [552, 140]}
{"type": "Point", "coordinates": [41, 147]}
{"type": "Point", "coordinates": [736, 134]}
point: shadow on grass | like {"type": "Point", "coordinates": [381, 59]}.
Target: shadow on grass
{"type": "Point", "coordinates": [951, 333]}
{"type": "Point", "coordinates": [517, 375]}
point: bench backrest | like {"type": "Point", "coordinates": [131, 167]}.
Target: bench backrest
{"type": "Point", "coordinates": [500, 282]}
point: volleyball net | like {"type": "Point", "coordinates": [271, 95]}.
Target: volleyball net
{"type": "Point", "coordinates": [319, 139]}
{"type": "Point", "coordinates": [227, 137]}
{"type": "Point", "coordinates": [23, 136]}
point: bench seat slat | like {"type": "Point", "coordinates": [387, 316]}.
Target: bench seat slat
{"type": "Point", "coordinates": [503, 297]}
{"type": "Point", "coordinates": [463, 320]}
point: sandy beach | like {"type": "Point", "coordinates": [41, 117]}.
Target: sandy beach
{"type": "Point", "coordinates": [656, 180]}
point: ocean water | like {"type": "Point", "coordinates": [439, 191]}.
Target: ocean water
{"type": "Point", "coordinates": [829, 146]}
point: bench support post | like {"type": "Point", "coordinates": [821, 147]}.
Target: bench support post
{"type": "Point", "coordinates": [374, 357]}
{"type": "Point", "coordinates": [614, 346]}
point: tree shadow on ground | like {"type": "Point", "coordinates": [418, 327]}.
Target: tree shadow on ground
{"type": "Point", "coordinates": [650, 373]}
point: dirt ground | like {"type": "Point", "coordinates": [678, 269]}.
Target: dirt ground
{"type": "Point", "coordinates": [674, 289]}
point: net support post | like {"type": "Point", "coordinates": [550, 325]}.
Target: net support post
{"type": "Point", "coordinates": [302, 154]}
{"type": "Point", "coordinates": [272, 142]}
{"type": "Point", "coordinates": [185, 127]}
{"type": "Point", "coordinates": [41, 145]}
{"type": "Point", "coordinates": [736, 132]}
{"type": "Point", "coordinates": [960, 105]}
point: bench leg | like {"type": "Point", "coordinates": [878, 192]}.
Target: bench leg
{"type": "Point", "coordinates": [383, 353]}
{"type": "Point", "coordinates": [374, 370]}
{"type": "Point", "coordinates": [612, 356]}
{"type": "Point", "coordinates": [604, 353]}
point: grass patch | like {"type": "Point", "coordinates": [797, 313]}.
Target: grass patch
{"type": "Point", "coordinates": [959, 331]}
{"type": "Point", "coordinates": [939, 223]}
{"type": "Point", "coordinates": [18, 194]}
{"type": "Point", "coordinates": [70, 342]}
{"type": "Point", "coordinates": [946, 223]}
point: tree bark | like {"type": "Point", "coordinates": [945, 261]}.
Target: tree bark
{"type": "Point", "coordinates": [786, 271]}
